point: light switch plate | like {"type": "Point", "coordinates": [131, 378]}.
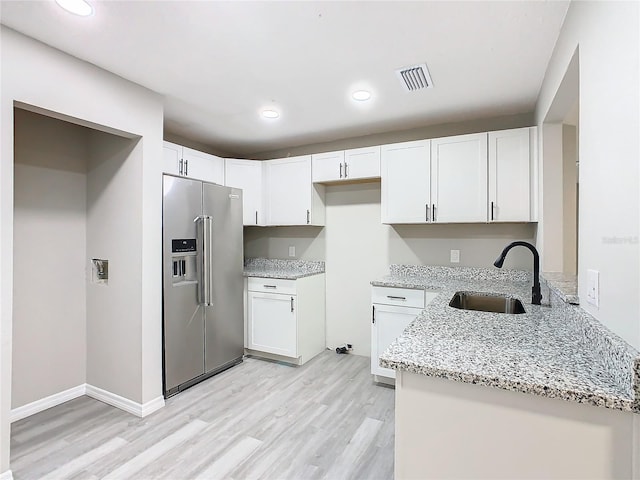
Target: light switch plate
{"type": "Point", "coordinates": [292, 251]}
{"type": "Point", "coordinates": [455, 256]}
{"type": "Point", "coordinates": [593, 287]}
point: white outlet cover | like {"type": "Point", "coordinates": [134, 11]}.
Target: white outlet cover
{"type": "Point", "coordinates": [292, 251]}
{"type": "Point", "coordinates": [593, 287]}
{"type": "Point", "coordinates": [455, 256]}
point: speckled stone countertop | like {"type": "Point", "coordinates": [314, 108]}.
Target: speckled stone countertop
{"type": "Point", "coordinates": [558, 352]}
{"type": "Point", "coordinates": [565, 286]}
{"type": "Point", "coordinates": [281, 268]}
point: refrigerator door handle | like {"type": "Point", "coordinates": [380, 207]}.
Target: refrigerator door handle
{"type": "Point", "coordinates": [204, 232]}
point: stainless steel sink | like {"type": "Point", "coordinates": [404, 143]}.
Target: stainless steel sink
{"type": "Point", "coordinates": [486, 303]}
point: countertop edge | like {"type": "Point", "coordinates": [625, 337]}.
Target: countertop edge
{"type": "Point", "coordinates": [279, 275]}
{"type": "Point", "coordinates": [614, 403]}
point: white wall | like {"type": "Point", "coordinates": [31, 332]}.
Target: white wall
{"type": "Point", "coordinates": [606, 35]}
{"type": "Point", "coordinates": [37, 75]}
{"type": "Point", "coordinates": [49, 300]}
{"type": "Point", "coordinates": [569, 198]}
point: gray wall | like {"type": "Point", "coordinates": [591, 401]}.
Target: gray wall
{"type": "Point", "coordinates": [76, 199]}
{"type": "Point", "coordinates": [114, 207]}
{"type": "Point", "coordinates": [49, 316]}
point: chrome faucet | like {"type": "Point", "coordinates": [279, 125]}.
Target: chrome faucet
{"type": "Point", "coordinates": [536, 296]}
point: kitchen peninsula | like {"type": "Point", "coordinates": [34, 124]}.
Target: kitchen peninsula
{"type": "Point", "coordinates": [518, 380]}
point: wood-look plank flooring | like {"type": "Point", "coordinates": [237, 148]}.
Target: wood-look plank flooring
{"type": "Point", "coordinates": [258, 420]}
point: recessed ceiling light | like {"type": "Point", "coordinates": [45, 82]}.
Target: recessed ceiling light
{"type": "Point", "coordinates": [270, 114]}
{"type": "Point", "coordinates": [77, 7]}
{"type": "Point", "coordinates": [361, 95]}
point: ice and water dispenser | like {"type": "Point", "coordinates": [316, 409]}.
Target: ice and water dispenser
{"type": "Point", "coordinates": [183, 260]}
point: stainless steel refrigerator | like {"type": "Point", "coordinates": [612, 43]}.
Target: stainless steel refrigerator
{"type": "Point", "coordinates": [203, 324]}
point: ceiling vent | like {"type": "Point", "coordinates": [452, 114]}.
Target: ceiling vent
{"type": "Point", "coordinates": [415, 77]}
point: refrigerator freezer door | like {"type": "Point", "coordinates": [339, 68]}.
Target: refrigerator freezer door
{"type": "Point", "coordinates": [183, 319]}
{"type": "Point", "coordinates": [224, 323]}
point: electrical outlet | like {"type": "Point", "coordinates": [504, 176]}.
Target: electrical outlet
{"type": "Point", "coordinates": [292, 251]}
{"type": "Point", "coordinates": [593, 287]}
{"type": "Point", "coordinates": [455, 256]}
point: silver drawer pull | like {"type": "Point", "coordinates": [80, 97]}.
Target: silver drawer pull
{"type": "Point", "coordinates": [392, 297]}
{"type": "Point", "coordinates": [269, 286]}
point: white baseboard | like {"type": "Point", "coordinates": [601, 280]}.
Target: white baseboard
{"type": "Point", "coordinates": [44, 403]}
{"type": "Point", "coordinates": [135, 408]}
{"type": "Point", "coordinates": [6, 475]}
{"type": "Point", "coordinates": [152, 406]}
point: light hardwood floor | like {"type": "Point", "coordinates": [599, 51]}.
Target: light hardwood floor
{"type": "Point", "coordinates": [258, 420]}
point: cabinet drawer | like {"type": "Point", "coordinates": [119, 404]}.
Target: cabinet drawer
{"type": "Point", "coordinates": [406, 297]}
{"type": "Point", "coordinates": [271, 285]}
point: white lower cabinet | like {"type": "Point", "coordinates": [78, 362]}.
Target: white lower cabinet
{"type": "Point", "coordinates": [274, 328]}
{"type": "Point", "coordinates": [393, 309]}
{"type": "Point", "coordinates": [286, 318]}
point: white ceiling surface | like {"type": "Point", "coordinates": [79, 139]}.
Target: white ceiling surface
{"type": "Point", "coordinates": [220, 63]}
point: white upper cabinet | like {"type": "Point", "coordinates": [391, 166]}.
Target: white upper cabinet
{"type": "Point", "coordinates": [179, 160]}
{"type": "Point", "coordinates": [328, 167]}
{"type": "Point", "coordinates": [172, 162]}
{"type": "Point", "coordinates": [406, 182]}
{"type": "Point", "coordinates": [459, 179]}
{"type": "Point", "coordinates": [509, 174]}
{"type": "Point", "coordinates": [341, 166]}
{"type": "Point", "coordinates": [291, 198]}
{"type": "Point", "coordinates": [360, 163]}
{"type": "Point", "coordinates": [247, 175]}
{"type": "Point", "coordinates": [203, 166]}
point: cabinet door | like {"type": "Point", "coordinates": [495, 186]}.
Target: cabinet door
{"type": "Point", "coordinates": [247, 175]}
{"type": "Point", "coordinates": [509, 175]}
{"type": "Point", "coordinates": [272, 323]}
{"type": "Point", "coordinates": [387, 324]}
{"type": "Point", "coordinates": [172, 158]}
{"type": "Point", "coordinates": [362, 163]}
{"type": "Point", "coordinates": [288, 195]}
{"type": "Point", "coordinates": [327, 167]}
{"type": "Point", "coordinates": [203, 166]}
{"type": "Point", "coordinates": [405, 182]}
{"type": "Point", "coordinates": [459, 179]}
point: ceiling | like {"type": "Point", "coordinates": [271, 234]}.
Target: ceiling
{"type": "Point", "coordinates": [219, 64]}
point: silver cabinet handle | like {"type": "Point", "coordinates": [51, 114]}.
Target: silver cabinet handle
{"type": "Point", "coordinates": [392, 297]}
{"type": "Point", "coordinates": [491, 211]}
{"type": "Point", "coordinates": [373, 314]}
{"type": "Point", "coordinates": [433, 212]}
{"type": "Point", "coordinates": [269, 286]}
{"type": "Point", "coordinates": [426, 212]}
{"type": "Point", "coordinates": [180, 163]}
{"type": "Point", "coordinates": [186, 167]}
{"type": "Point", "coordinates": [341, 170]}
{"type": "Point", "coordinates": [308, 219]}
{"type": "Point", "coordinates": [345, 170]}
{"type": "Point", "coordinates": [291, 304]}
{"type": "Point", "coordinates": [256, 217]}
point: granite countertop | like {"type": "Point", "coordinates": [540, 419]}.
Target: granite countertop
{"type": "Point", "coordinates": [558, 352]}
{"type": "Point", "coordinates": [281, 268]}
{"type": "Point", "coordinates": [565, 286]}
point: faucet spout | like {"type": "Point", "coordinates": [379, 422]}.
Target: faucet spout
{"type": "Point", "coordinates": [536, 296]}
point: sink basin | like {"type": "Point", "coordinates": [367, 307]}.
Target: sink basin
{"type": "Point", "coordinates": [486, 303]}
